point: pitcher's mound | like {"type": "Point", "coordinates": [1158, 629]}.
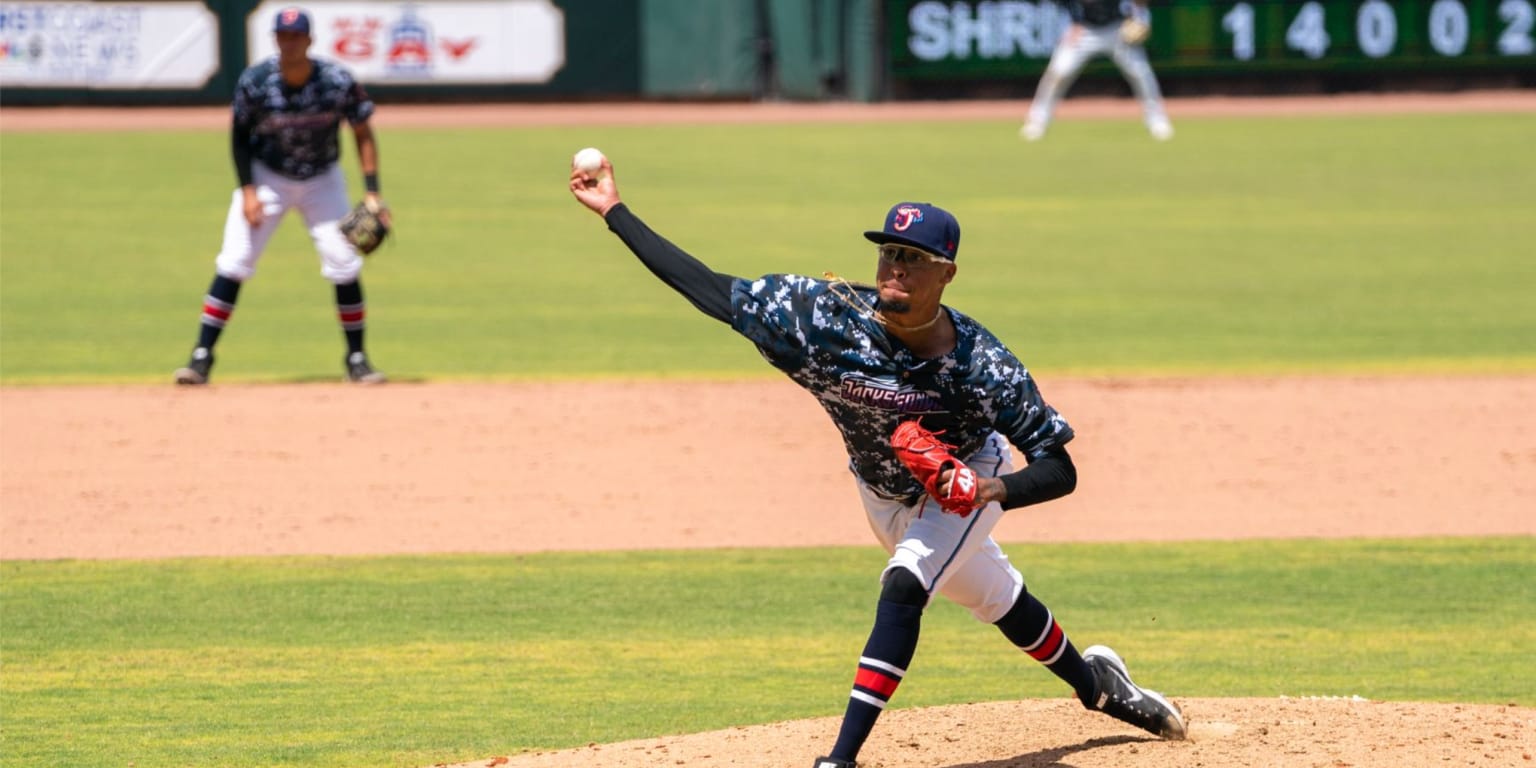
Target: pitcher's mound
{"type": "Point", "coordinates": [1273, 733]}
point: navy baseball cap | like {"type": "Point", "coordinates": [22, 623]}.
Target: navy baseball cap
{"type": "Point", "coordinates": [291, 20]}
{"type": "Point", "coordinates": [920, 225]}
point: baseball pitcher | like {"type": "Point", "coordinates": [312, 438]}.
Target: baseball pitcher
{"type": "Point", "coordinates": [928, 403]}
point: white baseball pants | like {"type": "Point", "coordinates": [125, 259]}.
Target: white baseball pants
{"type": "Point", "coordinates": [952, 555]}
{"type": "Point", "coordinates": [1077, 46]}
{"type": "Point", "coordinates": [321, 200]}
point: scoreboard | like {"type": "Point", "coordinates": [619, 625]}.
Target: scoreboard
{"type": "Point", "coordinates": [977, 39]}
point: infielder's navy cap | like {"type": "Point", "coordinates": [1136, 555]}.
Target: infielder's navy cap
{"type": "Point", "coordinates": [291, 20]}
{"type": "Point", "coordinates": [920, 225]}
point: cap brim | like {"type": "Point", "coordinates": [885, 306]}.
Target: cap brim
{"type": "Point", "coordinates": [882, 237]}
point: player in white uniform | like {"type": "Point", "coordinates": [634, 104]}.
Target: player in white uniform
{"type": "Point", "coordinates": [1096, 31]}
{"type": "Point", "coordinates": [288, 111]}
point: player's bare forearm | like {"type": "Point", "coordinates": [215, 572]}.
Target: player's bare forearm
{"type": "Point", "coordinates": [368, 162]}
{"type": "Point", "coordinates": [990, 489]}
{"type": "Point", "coordinates": [250, 205]}
{"type": "Point", "coordinates": [367, 149]}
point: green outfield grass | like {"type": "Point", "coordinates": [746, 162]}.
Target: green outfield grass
{"type": "Point", "coordinates": [1378, 243]}
{"type": "Point", "coordinates": [410, 661]}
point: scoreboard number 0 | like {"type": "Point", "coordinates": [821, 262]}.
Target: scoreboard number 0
{"type": "Point", "coordinates": [1376, 28]}
{"type": "Point", "coordinates": [1448, 27]}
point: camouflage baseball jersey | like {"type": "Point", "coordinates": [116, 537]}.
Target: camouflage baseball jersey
{"type": "Point", "coordinates": [868, 384]}
{"type": "Point", "coordinates": [294, 130]}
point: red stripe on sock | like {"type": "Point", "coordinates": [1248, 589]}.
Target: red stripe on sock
{"type": "Point", "coordinates": [212, 311]}
{"type": "Point", "coordinates": [1052, 643]}
{"type": "Point", "coordinates": [351, 317]}
{"type": "Point", "coordinates": [879, 682]}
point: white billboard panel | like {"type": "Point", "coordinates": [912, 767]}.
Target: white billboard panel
{"type": "Point", "coordinates": [170, 45]}
{"type": "Point", "coordinates": [511, 41]}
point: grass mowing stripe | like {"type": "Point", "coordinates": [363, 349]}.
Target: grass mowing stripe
{"type": "Point", "coordinates": [413, 660]}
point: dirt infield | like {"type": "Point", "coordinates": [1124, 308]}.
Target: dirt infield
{"type": "Point", "coordinates": [228, 470]}
{"type": "Point", "coordinates": [145, 472]}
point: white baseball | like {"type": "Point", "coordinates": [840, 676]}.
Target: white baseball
{"type": "Point", "coordinates": [589, 160]}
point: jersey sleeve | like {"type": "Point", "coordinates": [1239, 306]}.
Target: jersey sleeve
{"type": "Point", "coordinates": [357, 106]}
{"type": "Point", "coordinates": [774, 313]}
{"type": "Point", "coordinates": [1030, 422]}
{"type": "Point", "coordinates": [1018, 410]}
{"type": "Point", "coordinates": [247, 101]}
{"type": "Point", "coordinates": [243, 118]}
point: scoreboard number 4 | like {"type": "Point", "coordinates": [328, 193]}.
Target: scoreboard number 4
{"type": "Point", "coordinates": [1448, 29]}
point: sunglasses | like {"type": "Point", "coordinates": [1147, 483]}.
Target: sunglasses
{"type": "Point", "coordinates": [907, 256]}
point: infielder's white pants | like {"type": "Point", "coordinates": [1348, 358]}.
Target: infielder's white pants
{"type": "Point", "coordinates": [322, 201]}
{"type": "Point", "coordinates": [1078, 45]}
{"type": "Point", "coordinates": [952, 555]}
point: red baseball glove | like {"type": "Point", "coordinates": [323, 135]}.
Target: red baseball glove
{"type": "Point", "coordinates": [926, 457]}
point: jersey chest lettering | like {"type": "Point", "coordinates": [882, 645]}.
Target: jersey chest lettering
{"type": "Point", "coordinates": [886, 394]}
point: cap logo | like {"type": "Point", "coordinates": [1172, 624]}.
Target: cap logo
{"type": "Point", "coordinates": [905, 217]}
{"type": "Point", "coordinates": [290, 15]}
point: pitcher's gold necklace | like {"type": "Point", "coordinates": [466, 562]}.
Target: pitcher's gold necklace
{"type": "Point", "coordinates": [852, 297]}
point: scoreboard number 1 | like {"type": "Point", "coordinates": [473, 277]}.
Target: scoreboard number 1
{"type": "Point", "coordinates": [1239, 23]}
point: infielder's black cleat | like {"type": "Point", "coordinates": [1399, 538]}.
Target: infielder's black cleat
{"type": "Point", "coordinates": [196, 370]}
{"type": "Point", "coordinates": [832, 762]}
{"type": "Point", "coordinates": [1123, 700]}
{"type": "Point", "coordinates": [358, 370]}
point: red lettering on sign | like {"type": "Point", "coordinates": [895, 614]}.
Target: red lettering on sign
{"type": "Point", "coordinates": [354, 38]}
{"type": "Point", "coordinates": [408, 51]}
{"type": "Point", "coordinates": [456, 49]}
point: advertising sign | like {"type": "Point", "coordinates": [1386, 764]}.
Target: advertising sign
{"type": "Point", "coordinates": [511, 41]}
{"type": "Point", "coordinates": [170, 45]}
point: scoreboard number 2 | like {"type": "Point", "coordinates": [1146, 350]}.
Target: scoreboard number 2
{"type": "Point", "coordinates": [1518, 16]}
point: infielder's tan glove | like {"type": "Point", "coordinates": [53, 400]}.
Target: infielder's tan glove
{"type": "Point", "coordinates": [926, 457]}
{"type": "Point", "coordinates": [1134, 31]}
{"type": "Point", "coordinates": [364, 227]}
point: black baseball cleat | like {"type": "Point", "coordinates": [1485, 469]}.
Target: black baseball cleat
{"type": "Point", "coordinates": [832, 762]}
{"type": "Point", "coordinates": [196, 370]}
{"type": "Point", "coordinates": [1115, 695]}
{"type": "Point", "coordinates": [359, 371]}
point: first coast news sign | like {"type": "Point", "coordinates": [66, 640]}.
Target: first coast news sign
{"type": "Point", "coordinates": [175, 45]}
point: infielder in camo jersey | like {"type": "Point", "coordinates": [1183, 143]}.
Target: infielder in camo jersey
{"type": "Point", "coordinates": [1100, 28]}
{"type": "Point", "coordinates": [875, 357]}
{"type": "Point", "coordinates": [288, 111]}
